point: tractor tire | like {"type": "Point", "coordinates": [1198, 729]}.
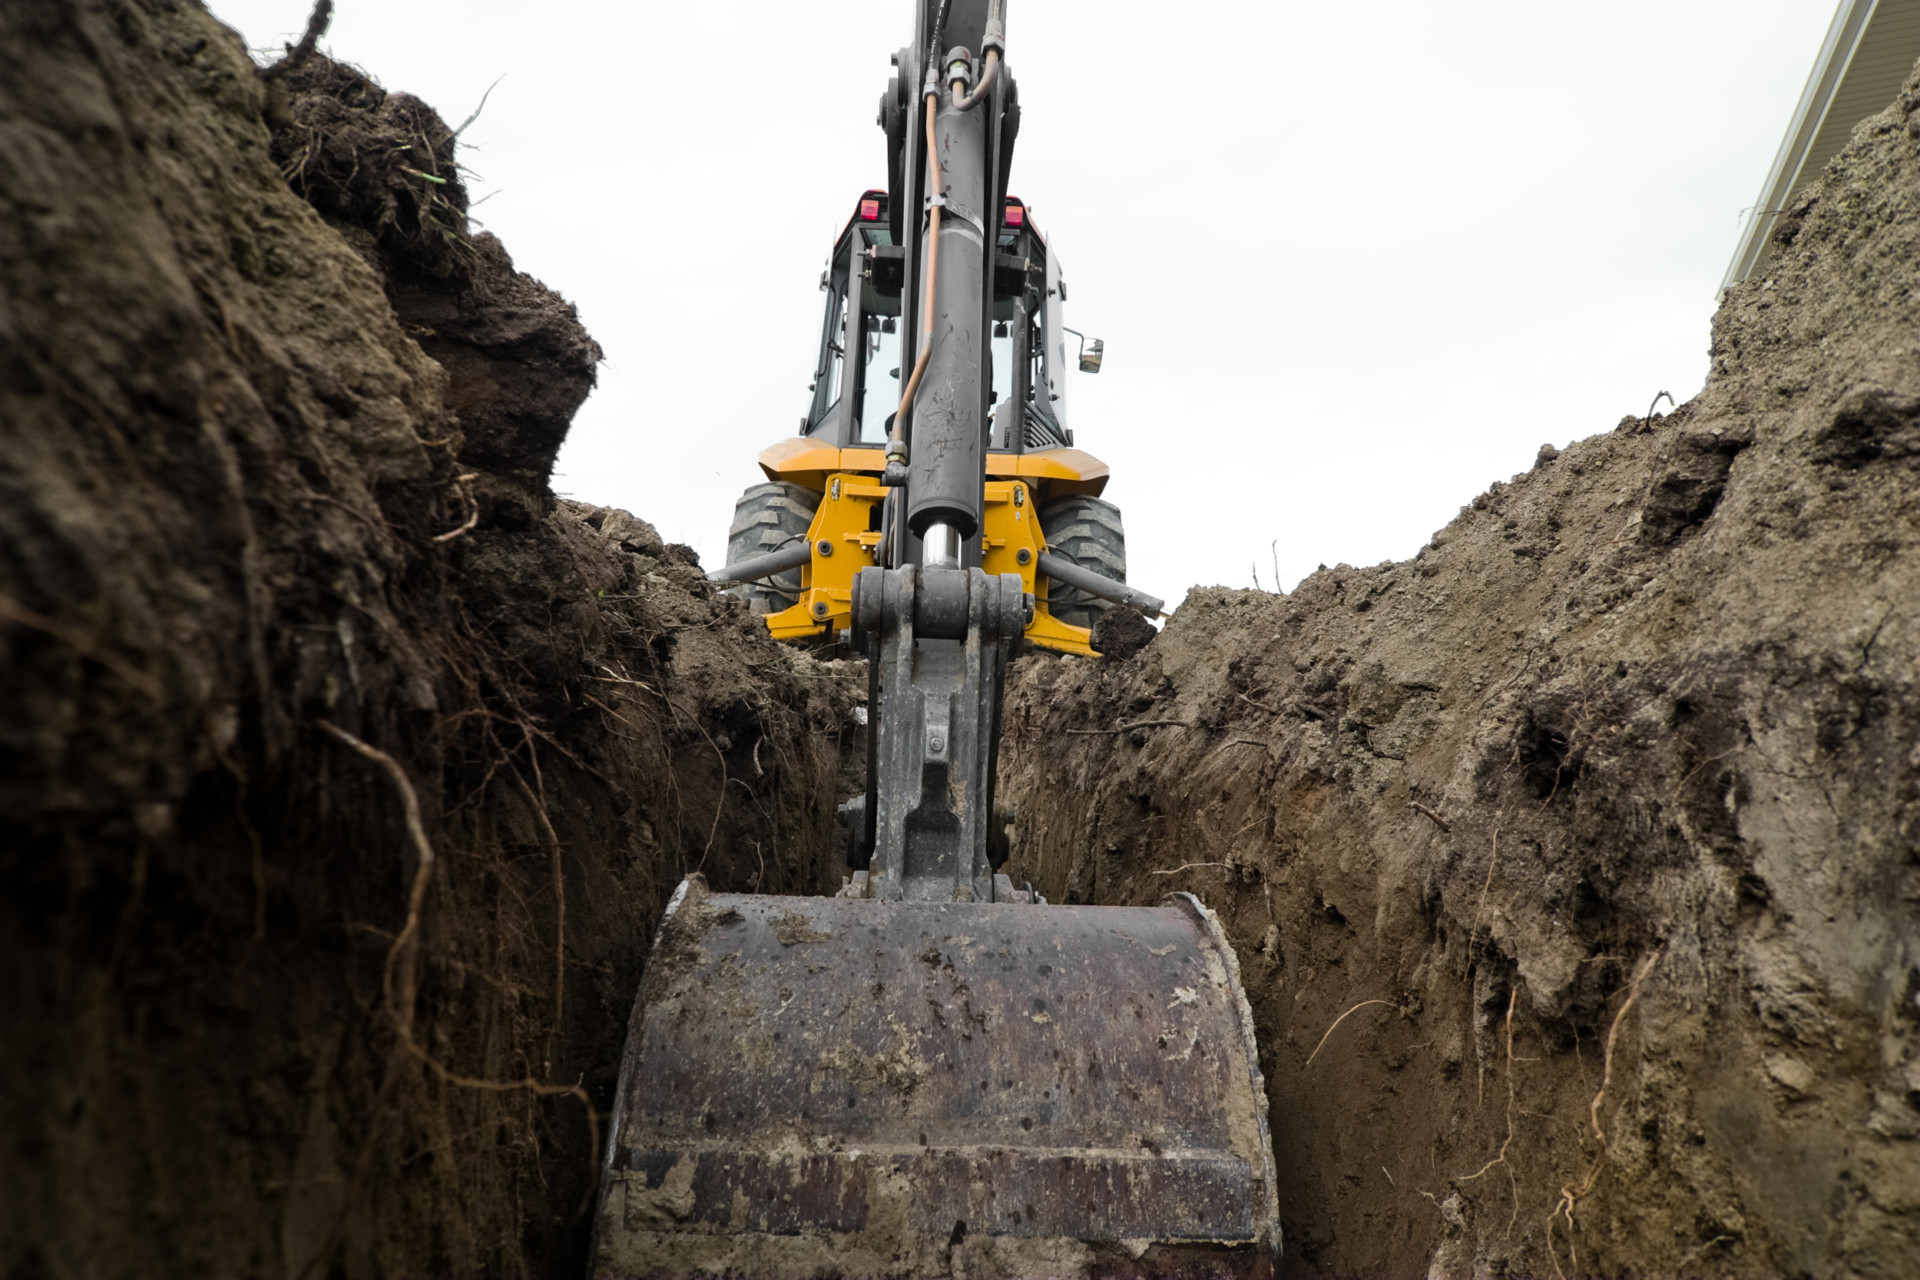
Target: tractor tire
{"type": "Point", "coordinates": [766, 518]}
{"type": "Point", "coordinates": [1088, 532]}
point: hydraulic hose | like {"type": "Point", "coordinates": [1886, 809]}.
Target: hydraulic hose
{"type": "Point", "coordinates": [963, 102]}
{"type": "Point", "coordinates": [766, 566]}
{"type": "Point", "coordinates": [996, 33]}
{"type": "Point", "coordinates": [1069, 574]}
{"type": "Point", "coordinates": [972, 100]}
{"type": "Point", "coordinates": [933, 264]}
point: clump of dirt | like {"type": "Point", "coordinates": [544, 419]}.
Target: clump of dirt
{"type": "Point", "coordinates": [1121, 632]}
{"type": "Point", "coordinates": [382, 169]}
{"type": "Point", "coordinates": [1574, 865]}
{"type": "Point", "coordinates": [343, 769]}
{"type": "Point", "coordinates": [793, 929]}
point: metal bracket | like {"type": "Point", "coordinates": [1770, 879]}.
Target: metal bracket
{"type": "Point", "coordinates": [960, 211]}
{"type": "Point", "coordinates": [940, 640]}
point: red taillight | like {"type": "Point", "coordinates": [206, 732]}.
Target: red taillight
{"type": "Point", "coordinates": [869, 211]}
{"type": "Point", "coordinates": [1016, 215]}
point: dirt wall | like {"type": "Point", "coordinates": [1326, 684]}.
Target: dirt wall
{"type": "Point", "coordinates": [1574, 865]}
{"type": "Point", "coordinates": [275, 427]}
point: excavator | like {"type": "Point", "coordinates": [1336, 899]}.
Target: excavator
{"type": "Point", "coordinates": [935, 1072]}
{"type": "Point", "coordinates": [799, 539]}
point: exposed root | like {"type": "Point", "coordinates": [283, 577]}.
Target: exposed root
{"type": "Point", "coordinates": [20, 615]}
{"type": "Point", "coordinates": [1128, 728]}
{"type": "Point", "coordinates": [317, 23]}
{"type": "Point", "coordinates": [473, 507]}
{"type": "Point", "coordinates": [1493, 859]}
{"type": "Point", "coordinates": [539, 803]}
{"type": "Point", "coordinates": [1695, 771]}
{"type": "Point", "coordinates": [1694, 1254]}
{"type": "Point", "coordinates": [612, 677]}
{"type": "Point", "coordinates": [1501, 1157]}
{"type": "Point", "coordinates": [1640, 973]}
{"type": "Point", "coordinates": [1572, 1194]}
{"type": "Point", "coordinates": [1336, 1022]}
{"type": "Point", "coordinates": [402, 958]}
{"type": "Point", "coordinates": [720, 802]}
{"type": "Point", "coordinates": [1646, 423]}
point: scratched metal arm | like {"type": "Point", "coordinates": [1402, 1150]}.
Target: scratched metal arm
{"type": "Point", "coordinates": [936, 1073]}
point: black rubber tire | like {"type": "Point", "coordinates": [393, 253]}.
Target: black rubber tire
{"type": "Point", "coordinates": [1088, 532]}
{"type": "Point", "coordinates": [766, 518]}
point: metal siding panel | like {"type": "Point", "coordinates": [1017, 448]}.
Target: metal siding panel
{"type": "Point", "coordinates": [1886, 54]}
{"type": "Point", "coordinates": [1853, 77]}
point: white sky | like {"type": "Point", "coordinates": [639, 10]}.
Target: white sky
{"type": "Point", "coordinates": [1351, 263]}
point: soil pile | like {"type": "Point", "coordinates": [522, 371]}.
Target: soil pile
{"type": "Point", "coordinates": [343, 769]}
{"type": "Point", "coordinates": [1574, 865]}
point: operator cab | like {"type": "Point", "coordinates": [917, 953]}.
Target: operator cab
{"type": "Point", "coordinates": [853, 401]}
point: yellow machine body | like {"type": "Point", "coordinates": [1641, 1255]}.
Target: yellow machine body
{"type": "Point", "coordinates": [843, 536]}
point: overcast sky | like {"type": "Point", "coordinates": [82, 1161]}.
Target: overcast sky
{"type": "Point", "coordinates": [1351, 263]}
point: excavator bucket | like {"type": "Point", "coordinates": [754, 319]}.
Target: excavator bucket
{"type": "Point", "coordinates": [843, 1087]}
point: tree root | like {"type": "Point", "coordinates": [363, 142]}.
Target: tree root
{"type": "Point", "coordinates": [1572, 1194]}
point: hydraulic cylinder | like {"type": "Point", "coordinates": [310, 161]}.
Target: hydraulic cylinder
{"type": "Point", "coordinates": [948, 440]}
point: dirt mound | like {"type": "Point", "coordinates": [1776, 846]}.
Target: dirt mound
{"type": "Point", "coordinates": [1574, 865]}
{"type": "Point", "coordinates": [381, 169]}
{"type": "Point", "coordinates": [342, 768]}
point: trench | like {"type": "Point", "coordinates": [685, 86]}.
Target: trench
{"type": "Point", "coordinates": [1573, 865]}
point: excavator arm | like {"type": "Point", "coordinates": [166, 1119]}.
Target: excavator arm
{"type": "Point", "coordinates": [935, 1073]}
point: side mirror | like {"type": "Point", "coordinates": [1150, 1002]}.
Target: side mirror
{"type": "Point", "coordinates": [887, 325]}
{"type": "Point", "coordinates": [1089, 352]}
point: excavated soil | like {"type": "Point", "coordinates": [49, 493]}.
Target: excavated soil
{"type": "Point", "coordinates": [343, 769]}
{"type": "Point", "coordinates": [1574, 865]}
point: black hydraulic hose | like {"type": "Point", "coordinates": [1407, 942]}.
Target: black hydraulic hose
{"type": "Point", "coordinates": [1067, 573]}
{"type": "Point", "coordinates": [939, 31]}
{"type": "Point", "coordinates": [766, 566]}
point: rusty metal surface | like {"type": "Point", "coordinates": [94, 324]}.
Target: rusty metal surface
{"type": "Point", "coordinates": [899, 1087]}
